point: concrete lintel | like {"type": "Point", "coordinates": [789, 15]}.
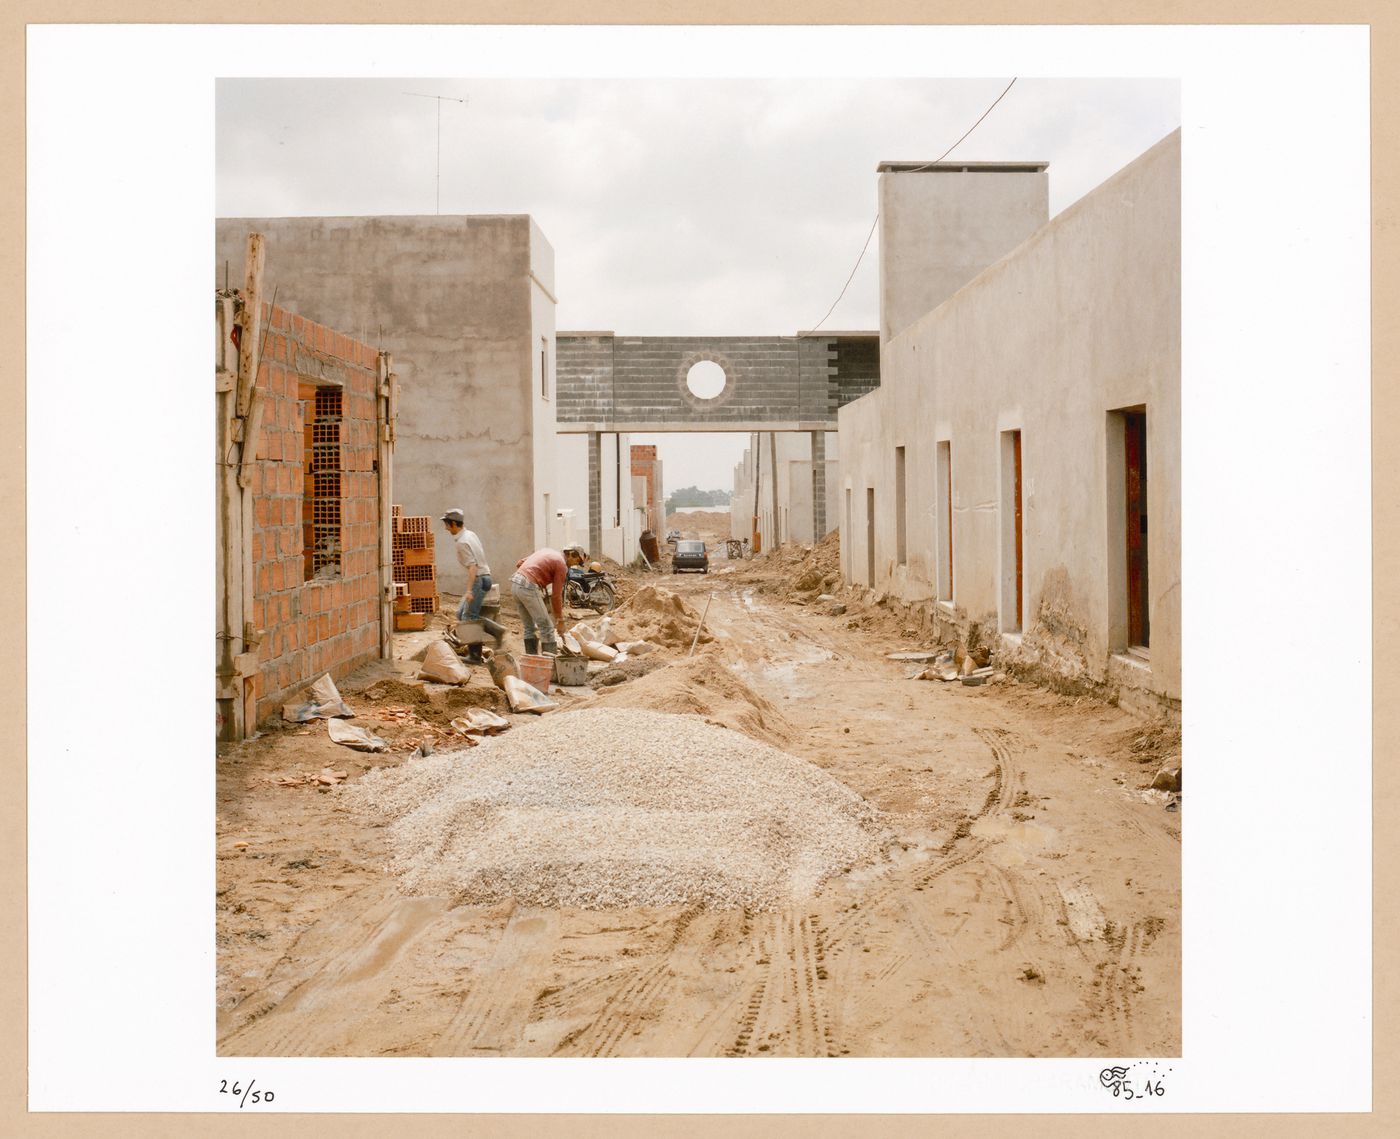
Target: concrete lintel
{"type": "Point", "coordinates": [916, 167]}
{"type": "Point", "coordinates": [747, 426]}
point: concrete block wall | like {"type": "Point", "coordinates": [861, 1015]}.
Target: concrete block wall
{"type": "Point", "coordinates": [311, 627]}
{"type": "Point", "coordinates": [639, 383]}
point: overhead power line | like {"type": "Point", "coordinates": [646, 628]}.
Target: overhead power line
{"type": "Point", "coordinates": [916, 170]}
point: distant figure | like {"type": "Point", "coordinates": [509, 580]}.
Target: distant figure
{"type": "Point", "coordinates": [544, 569]}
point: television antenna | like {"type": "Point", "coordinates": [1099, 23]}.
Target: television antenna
{"type": "Point", "coordinates": [437, 184]}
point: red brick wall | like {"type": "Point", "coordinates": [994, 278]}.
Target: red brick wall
{"type": "Point", "coordinates": [644, 465]}
{"type": "Point", "coordinates": [326, 625]}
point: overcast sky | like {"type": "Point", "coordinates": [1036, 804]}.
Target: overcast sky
{"type": "Point", "coordinates": [682, 207]}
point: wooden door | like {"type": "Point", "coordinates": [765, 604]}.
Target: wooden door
{"type": "Point", "coordinates": [1016, 468]}
{"type": "Point", "coordinates": [1135, 486]}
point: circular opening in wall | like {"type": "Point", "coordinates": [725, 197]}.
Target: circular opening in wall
{"type": "Point", "coordinates": [706, 379]}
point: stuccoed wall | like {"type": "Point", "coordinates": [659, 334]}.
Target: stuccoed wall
{"type": "Point", "coordinates": [452, 299]}
{"type": "Point", "coordinates": [1082, 319]}
{"type": "Point", "coordinates": [940, 227]}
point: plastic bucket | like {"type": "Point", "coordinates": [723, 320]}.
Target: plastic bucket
{"type": "Point", "coordinates": [537, 671]}
{"type": "Point", "coordinates": [571, 670]}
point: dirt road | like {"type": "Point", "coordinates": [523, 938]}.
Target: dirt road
{"type": "Point", "coordinates": [1031, 908]}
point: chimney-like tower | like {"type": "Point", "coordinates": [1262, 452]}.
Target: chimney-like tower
{"type": "Point", "coordinates": [942, 223]}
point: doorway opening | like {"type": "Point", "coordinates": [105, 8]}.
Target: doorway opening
{"type": "Point", "coordinates": [1012, 575]}
{"type": "Point", "coordinates": [943, 518]}
{"type": "Point", "coordinates": [1135, 523]}
{"type": "Point", "coordinates": [901, 521]}
{"type": "Point", "coordinates": [870, 536]}
{"type": "Point", "coordinates": [848, 536]}
{"type": "Point", "coordinates": [1129, 619]}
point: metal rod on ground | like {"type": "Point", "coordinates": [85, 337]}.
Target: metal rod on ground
{"type": "Point", "coordinates": [700, 626]}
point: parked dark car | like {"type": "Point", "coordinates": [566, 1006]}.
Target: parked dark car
{"type": "Point", "coordinates": [690, 555]}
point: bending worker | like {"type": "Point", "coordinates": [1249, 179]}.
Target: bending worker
{"type": "Point", "coordinates": [472, 558]}
{"type": "Point", "coordinates": [544, 569]}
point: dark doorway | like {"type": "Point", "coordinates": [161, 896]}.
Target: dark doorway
{"type": "Point", "coordinates": [1012, 565]}
{"type": "Point", "coordinates": [901, 513]}
{"type": "Point", "coordinates": [1016, 463]}
{"type": "Point", "coordinates": [870, 536]}
{"type": "Point", "coordinates": [943, 496]}
{"type": "Point", "coordinates": [1135, 488]}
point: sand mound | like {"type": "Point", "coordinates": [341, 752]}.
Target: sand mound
{"type": "Point", "coordinates": [606, 808]}
{"type": "Point", "coordinates": [703, 686]}
{"type": "Point", "coordinates": [657, 615]}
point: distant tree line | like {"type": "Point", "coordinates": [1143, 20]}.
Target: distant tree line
{"type": "Point", "coordinates": [694, 496]}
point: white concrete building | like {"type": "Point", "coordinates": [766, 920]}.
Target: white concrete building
{"type": "Point", "coordinates": [784, 500]}
{"type": "Point", "coordinates": [1018, 471]}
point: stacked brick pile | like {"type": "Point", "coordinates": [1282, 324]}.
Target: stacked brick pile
{"type": "Point", "coordinates": [415, 572]}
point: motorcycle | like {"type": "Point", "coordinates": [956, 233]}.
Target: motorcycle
{"type": "Point", "coordinates": [589, 589]}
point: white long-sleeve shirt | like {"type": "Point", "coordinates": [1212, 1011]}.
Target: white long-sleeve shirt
{"type": "Point", "coordinates": [470, 553]}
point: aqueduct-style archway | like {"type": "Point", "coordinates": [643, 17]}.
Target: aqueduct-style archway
{"type": "Point", "coordinates": [609, 384]}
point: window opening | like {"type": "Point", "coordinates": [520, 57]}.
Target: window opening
{"type": "Point", "coordinates": [323, 461]}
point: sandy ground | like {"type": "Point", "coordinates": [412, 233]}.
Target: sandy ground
{"type": "Point", "coordinates": [1031, 906]}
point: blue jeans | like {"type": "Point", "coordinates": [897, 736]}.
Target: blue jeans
{"type": "Point", "coordinates": [470, 608]}
{"type": "Point", "coordinates": [534, 612]}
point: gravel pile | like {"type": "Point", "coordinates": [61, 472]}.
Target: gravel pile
{"type": "Point", "coordinates": [619, 807]}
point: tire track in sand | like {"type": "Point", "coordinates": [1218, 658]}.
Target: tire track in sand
{"type": "Point", "coordinates": [629, 1004]}
{"type": "Point", "coordinates": [321, 1008]}
{"type": "Point", "coordinates": [788, 1012]}
{"type": "Point", "coordinates": [501, 993]}
{"type": "Point", "coordinates": [1006, 785]}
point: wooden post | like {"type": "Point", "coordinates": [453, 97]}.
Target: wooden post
{"type": "Point", "coordinates": [228, 694]}
{"type": "Point", "coordinates": [250, 323]}
{"type": "Point", "coordinates": [386, 404]}
{"type": "Point", "coordinates": [248, 637]}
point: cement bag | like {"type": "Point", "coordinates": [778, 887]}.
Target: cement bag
{"type": "Point", "coordinates": [582, 632]}
{"type": "Point", "coordinates": [321, 702]}
{"type": "Point", "coordinates": [351, 736]}
{"type": "Point", "coordinates": [571, 644]}
{"type": "Point", "coordinates": [526, 697]}
{"type": "Point", "coordinates": [635, 648]}
{"type": "Point", "coordinates": [441, 664]}
{"type": "Point", "coordinates": [480, 722]}
{"type": "Point", "coordinates": [596, 650]}
{"type": "Point", "coordinates": [502, 665]}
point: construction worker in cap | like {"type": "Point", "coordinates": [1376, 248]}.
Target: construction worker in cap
{"type": "Point", "coordinates": [472, 558]}
{"type": "Point", "coordinates": [544, 569]}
